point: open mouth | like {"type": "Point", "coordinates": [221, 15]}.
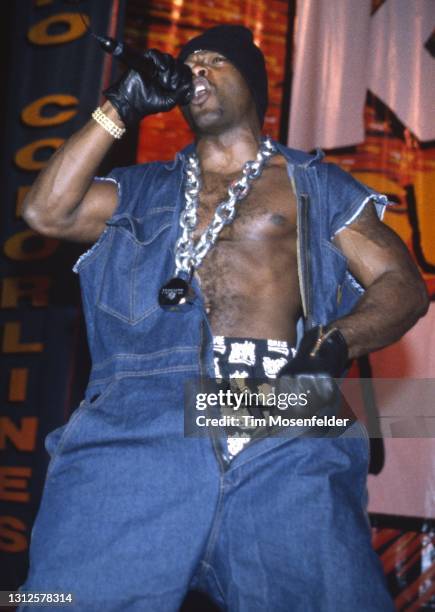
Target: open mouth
{"type": "Point", "coordinates": [201, 90]}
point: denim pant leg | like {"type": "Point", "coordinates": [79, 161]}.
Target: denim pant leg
{"type": "Point", "coordinates": [292, 532]}
{"type": "Point", "coordinates": [127, 506]}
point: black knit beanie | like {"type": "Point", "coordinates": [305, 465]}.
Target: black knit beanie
{"type": "Point", "coordinates": [236, 44]}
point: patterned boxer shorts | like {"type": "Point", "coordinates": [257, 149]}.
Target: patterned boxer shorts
{"type": "Point", "coordinates": [249, 360]}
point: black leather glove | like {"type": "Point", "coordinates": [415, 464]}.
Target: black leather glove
{"type": "Point", "coordinates": [134, 96]}
{"type": "Point", "coordinates": [321, 357]}
{"type": "Point", "coordinates": [319, 351]}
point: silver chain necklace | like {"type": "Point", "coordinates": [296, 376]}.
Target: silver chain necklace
{"type": "Point", "coordinates": [189, 256]}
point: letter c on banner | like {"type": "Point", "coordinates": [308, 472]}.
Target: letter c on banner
{"type": "Point", "coordinates": [25, 157]}
{"type": "Point", "coordinates": [39, 33]}
{"type": "Point", "coordinates": [32, 113]}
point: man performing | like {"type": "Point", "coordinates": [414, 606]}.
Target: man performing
{"type": "Point", "coordinates": [213, 266]}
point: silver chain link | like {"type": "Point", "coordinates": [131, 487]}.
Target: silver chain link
{"type": "Point", "coordinates": [187, 254]}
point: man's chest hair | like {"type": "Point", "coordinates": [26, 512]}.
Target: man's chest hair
{"type": "Point", "coordinates": [268, 209]}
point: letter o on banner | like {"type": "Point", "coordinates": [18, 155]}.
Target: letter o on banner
{"type": "Point", "coordinates": [25, 157]}
{"type": "Point", "coordinates": [14, 247]}
{"type": "Point", "coordinates": [31, 114]}
{"type": "Point", "coordinates": [39, 33]}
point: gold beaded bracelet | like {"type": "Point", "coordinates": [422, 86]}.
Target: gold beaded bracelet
{"type": "Point", "coordinates": [106, 123]}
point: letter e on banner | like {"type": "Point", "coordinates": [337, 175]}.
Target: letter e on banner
{"type": "Point", "coordinates": [13, 483]}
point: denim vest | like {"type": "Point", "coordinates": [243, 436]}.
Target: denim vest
{"type": "Point", "coordinates": [121, 275]}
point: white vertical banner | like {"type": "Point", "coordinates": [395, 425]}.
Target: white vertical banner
{"type": "Point", "coordinates": [406, 485]}
{"type": "Point", "coordinates": [341, 51]}
{"type": "Point", "coordinates": [330, 79]}
{"type": "Point", "coordinates": [401, 69]}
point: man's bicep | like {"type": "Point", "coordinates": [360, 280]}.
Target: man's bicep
{"type": "Point", "coordinates": [372, 248]}
{"type": "Point", "coordinates": [88, 220]}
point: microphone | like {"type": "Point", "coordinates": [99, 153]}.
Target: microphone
{"type": "Point", "coordinates": [133, 59]}
{"type": "Point", "coordinates": [128, 56]}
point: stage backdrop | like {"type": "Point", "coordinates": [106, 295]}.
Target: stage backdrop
{"type": "Point", "coordinates": [40, 322]}
{"type": "Point", "coordinates": [368, 69]}
{"type": "Point", "coordinates": [54, 80]}
{"type": "Point", "coordinates": [168, 24]}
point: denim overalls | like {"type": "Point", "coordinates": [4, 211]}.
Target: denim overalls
{"type": "Point", "coordinates": [133, 513]}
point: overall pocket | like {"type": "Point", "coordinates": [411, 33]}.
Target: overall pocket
{"type": "Point", "coordinates": [132, 276]}
{"type": "Point", "coordinates": [57, 439]}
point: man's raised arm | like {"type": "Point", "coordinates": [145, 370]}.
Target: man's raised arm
{"type": "Point", "coordinates": [65, 202]}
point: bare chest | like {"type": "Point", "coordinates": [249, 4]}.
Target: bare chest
{"type": "Point", "coordinates": [267, 213]}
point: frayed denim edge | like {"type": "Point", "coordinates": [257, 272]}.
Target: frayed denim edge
{"type": "Point", "coordinates": [381, 202]}
{"type": "Point", "coordinates": [89, 252]}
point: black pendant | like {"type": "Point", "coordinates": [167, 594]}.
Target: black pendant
{"type": "Point", "coordinates": [176, 292]}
